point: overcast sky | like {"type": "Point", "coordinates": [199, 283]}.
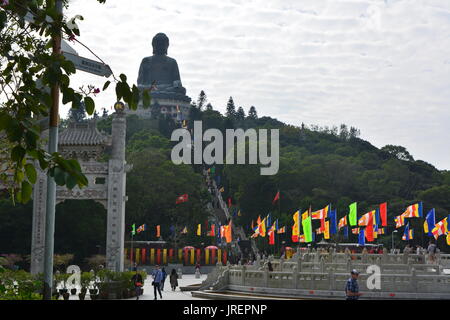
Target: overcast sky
{"type": "Point", "coordinates": [380, 65]}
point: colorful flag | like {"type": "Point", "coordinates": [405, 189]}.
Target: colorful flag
{"type": "Point", "coordinates": [281, 230]}
{"type": "Point", "coordinates": [355, 230]}
{"type": "Point", "coordinates": [333, 221]}
{"type": "Point", "coordinates": [369, 232]}
{"type": "Point", "coordinates": [302, 239]}
{"type": "Point", "coordinates": [448, 238]}
{"type": "Point", "coordinates": [182, 198]}
{"type": "Point", "coordinates": [212, 232]}
{"type": "Point", "coordinates": [399, 221]}
{"type": "Point", "coordinates": [430, 222]}
{"type": "Point", "coordinates": [381, 231]}
{"type": "Point", "coordinates": [184, 231]}
{"type": "Point", "coordinates": [408, 233]}
{"type": "Point", "coordinates": [199, 229]}
{"type": "Point", "coordinates": [271, 235]}
{"type": "Point", "coordinates": [367, 218]}
{"type": "Point", "coordinates": [277, 197]}
{"type": "Point", "coordinates": [262, 228]}
{"type": "Point", "coordinates": [319, 231]}
{"type": "Point", "coordinates": [361, 237]}
{"type": "Point", "coordinates": [346, 232]}
{"type": "Point", "coordinates": [352, 214]}
{"type": "Point", "coordinates": [321, 215]}
{"type": "Point", "coordinates": [440, 228]}
{"type": "Point", "coordinates": [413, 211]}
{"type": "Point", "coordinates": [326, 232]}
{"type": "Point", "coordinates": [158, 231]}
{"type": "Point", "coordinates": [228, 233]}
{"type": "Point", "coordinates": [296, 227]}
{"type": "Point", "coordinates": [307, 227]}
{"type": "Point", "coordinates": [141, 228]}
{"type": "Point", "coordinates": [383, 214]}
{"type": "Point", "coordinates": [268, 220]}
{"type": "Point", "coordinates": [133, 229]}
{"type": "Point", "coordinates": [342, 222]}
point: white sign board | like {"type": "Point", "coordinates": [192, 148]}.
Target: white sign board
{"type": "Point", "coordinates": [88, 65]}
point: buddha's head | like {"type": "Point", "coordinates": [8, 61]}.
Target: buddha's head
{"type": "Point", "coordinates": [160, 44]}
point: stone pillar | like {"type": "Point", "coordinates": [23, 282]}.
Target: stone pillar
{"type": "Point", "coordinates": [38, 228]}
{"type": "Point", "coordinates": [295, 276]}
{"type": "Point", "coordinates": [116, 196]}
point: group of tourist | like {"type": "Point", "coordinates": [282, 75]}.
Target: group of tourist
{"type": "Point", "coordinates": [159, 277]}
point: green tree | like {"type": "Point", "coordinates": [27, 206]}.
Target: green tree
{"type": "Point", "coordinates": [28, 69]}
{"type": "Point", "coordinates": [252, 114]}
{"type": "Point", "coordinates": [231, 109]}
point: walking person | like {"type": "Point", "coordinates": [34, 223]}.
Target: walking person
{"type": "Point", "coordinates": [138, 284]}
{"type": "Point", "coordinates": [163, 279]}
{"type": "Point", "coordinates": [174, 279]}
{"type": "Point", "coordinates": [352, 288]}
{"type": "Point", "coordinates": [157, 276]}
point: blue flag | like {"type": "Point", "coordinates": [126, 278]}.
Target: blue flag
{"type": "Point", "coordinates": [333, 221]}
{"type": "Point", "coordinates": [430, 222]}
{"type": "Point", "coordinates": [362, 237]}
{"type": "Point", "coordinates": [377, 217]}
{"type": "Point", "coordinates": [268, 221]}
{"type": "Point", "coordinates": [346, 232]}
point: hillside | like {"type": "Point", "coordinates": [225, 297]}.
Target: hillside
{"type": "Point", "coordinates": [318, 166]}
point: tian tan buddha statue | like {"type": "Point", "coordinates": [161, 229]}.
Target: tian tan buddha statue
{"type": "Point", "coordinates": [161, 71]}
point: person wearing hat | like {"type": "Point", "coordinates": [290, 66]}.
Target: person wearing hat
{"type": "Point", "coordinates": [352, 288]}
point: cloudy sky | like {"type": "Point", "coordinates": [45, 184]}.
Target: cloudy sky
{"type": "Point", "coordinates": [380, 65]}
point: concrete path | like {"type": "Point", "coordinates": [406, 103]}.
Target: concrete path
{"type": "Point", "coordinates": [168, 294]}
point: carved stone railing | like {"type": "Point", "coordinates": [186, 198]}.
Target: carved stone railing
{"type": "Point", "coordinates": [311, 274]}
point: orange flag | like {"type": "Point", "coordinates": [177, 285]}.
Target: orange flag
{"type": "Point", "coordinates": [158, 231]}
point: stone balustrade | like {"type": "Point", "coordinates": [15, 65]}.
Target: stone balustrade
{"type": "Point", "coordinates": [316, 276]}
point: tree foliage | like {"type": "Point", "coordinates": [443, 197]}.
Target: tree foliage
{"type": "Point", "coordinates": [28, 69]}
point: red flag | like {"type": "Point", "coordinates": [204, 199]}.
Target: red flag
{"type": "Point", "coordinates": [182, 198]}
{"type": "Point", "coordinates": [213, 231]}
{"type": "Point", "coordinates": [369, 233]}
{"type": "Point", "coordinates": [277, 197]}
{"type": "Point", "coordinates": [294, 236]}
{"type": "Point", "coordinates": [383, 214]}
{"type": "Point", "coordinates": [158, 231]}
{"type": "Point", "coordinates": [271, 234]}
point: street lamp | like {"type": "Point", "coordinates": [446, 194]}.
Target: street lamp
{"type": "Point", "coordinates": [395, 231]}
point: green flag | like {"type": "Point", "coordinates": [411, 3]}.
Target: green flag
{"type": "Point", "coordinates": [307, 227]}
{"type": "Point", "coordinates": [133, 229]}
{"type": "Point", "coordinates": [353, 213]}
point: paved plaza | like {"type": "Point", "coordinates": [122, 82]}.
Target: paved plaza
{"type": "Point", "coordinates": [168, 294]}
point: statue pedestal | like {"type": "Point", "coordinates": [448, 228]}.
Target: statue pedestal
{"type": "Point", "coordinates": [167, 104]}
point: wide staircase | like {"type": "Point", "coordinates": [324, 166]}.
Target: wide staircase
{"type": "Point", "coordinates": [220, 213]}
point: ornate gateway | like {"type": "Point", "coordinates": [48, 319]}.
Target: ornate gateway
{"type": "Point", "coordinates": [106, 178]}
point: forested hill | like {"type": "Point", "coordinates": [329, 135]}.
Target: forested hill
{"type": "Point", "coordinates": [318, 166]}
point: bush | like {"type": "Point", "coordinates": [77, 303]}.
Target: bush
{"type": "Point", "coordinates": [20, 285]}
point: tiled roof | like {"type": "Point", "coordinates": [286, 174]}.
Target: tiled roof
{"type": "Point", "coordinates": [82, 133]}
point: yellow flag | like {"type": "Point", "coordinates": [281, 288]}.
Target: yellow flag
{"type": "Point", "coordinates": [448, 239]}
{"type": "Point", "coordinates": [326, 234]}
{"type": "Point", "coordinates": [199, 229]}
